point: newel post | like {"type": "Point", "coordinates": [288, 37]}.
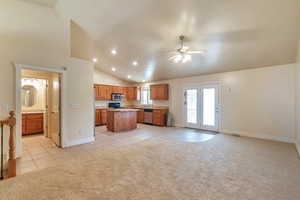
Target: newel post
{"type": "Point", "coordinates": [12, 163]}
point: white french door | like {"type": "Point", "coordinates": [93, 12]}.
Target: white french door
{"type": "Point", "coordinates": [201, 107]}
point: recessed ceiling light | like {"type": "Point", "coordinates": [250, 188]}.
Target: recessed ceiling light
{"type": "Point", "coordinates": [95, 60]}
{"type": "Point", "coordinates": [129, 76]}
{"type": "Point", "coordinates": [113, 69]}
{"type": "Point", "coordinates": [114, 52]}
{"type": "Point", "coordinates": [135, 63]}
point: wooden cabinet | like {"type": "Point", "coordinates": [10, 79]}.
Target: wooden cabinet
{"type": "Point", "coordinates": [104, 116]}
{"type": "Point", "coordinates": [104, 92]}
{"type": "Point", "coordinates": [140, 116]}
{"type": "Point", "coordinates": [100, 117]}
{"type": "Point", "coordinates": [131, 93]}
{"type": "Point", "coordinates": [160, 117]}
{"type": "Point", "coordinates": [117, 89]}
{"type": "Point", "coordinates": [159, 92]}
{"type": "Point", "coordinates": [121, 120]}
{"type": "Point", "coordinates": [32, 123]}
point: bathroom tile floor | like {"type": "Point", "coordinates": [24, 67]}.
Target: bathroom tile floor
{"type": "Point", "coordinates": [37, 153]}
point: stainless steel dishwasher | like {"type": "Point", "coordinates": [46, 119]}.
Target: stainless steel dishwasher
{"type": "Point", "coordinates": [148, 116]}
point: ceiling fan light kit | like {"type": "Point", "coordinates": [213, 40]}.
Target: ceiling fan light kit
{"type": "Point", "coordinates": [183, 54]}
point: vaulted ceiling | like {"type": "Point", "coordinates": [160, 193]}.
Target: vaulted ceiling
{"type": "Point", "coordinates": [48, 3]}
{"type": "Point", "coordinates": [236, 34]}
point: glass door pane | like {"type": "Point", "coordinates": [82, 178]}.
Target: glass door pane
{"type": "Point", "coordinates": [209, 106]}
{"type": "Point", "coordinates": [191, 105]}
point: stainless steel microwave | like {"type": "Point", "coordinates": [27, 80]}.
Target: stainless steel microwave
{"type": "Point", "coordinates": [116, 96]}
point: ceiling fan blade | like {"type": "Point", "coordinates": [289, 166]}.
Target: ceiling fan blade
{"type": "Point", "coordinates": [196, 52]}
{"type": "Point", "coordinates": [172, 57]}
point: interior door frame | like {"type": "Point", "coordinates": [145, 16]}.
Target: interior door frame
{"type": "Point", "coordinates": [18, 105]}
{"type": "Point", "coordinates": [199, 124]}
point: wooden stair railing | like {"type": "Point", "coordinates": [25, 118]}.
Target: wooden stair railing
{"type": "Point", "coordinates": [12, 163]}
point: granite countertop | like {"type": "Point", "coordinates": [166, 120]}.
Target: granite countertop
{"type": "Point", "coordinates": [154, 108]}
{"type": "Point", "coordinates": [136, 107]}
{"type": "Point", "coordinates": [101, 107]}
{"type": "Point", "coordinates": [123, 110]}
{"type": "Point", "coordinates": [33, 112]}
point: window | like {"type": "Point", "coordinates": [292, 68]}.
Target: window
{"type": "Point", "coordinates": [145, 96]}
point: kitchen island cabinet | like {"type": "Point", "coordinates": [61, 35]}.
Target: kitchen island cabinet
{"type": "Point", "coordinates": [121, 119]}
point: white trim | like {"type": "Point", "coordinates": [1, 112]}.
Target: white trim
{"type": "Point", "coordinates": [258, 136]}
{"type": "Point", "coordinates": [18, 107]}
{"type": "Point", "coordinates": [298, 147]}
{"type": "Point", "coordinates": [45, 69]}
{"type": "Point", "coordinates": [179, 125]}
{"type": "Point", "coordinates": [79, 141]}
{"type": "Point", "coordinates": [252, 135]}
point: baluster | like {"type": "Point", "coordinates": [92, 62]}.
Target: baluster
{"type": "Point", "coordinates": [12, 162]}
{"type": "Point", "coordinates": [2, 159]}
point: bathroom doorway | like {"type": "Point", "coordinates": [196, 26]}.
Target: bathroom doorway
{"type": "Point", "coordinates": [40, 105]}
{"type": "Point", "coordinates": [43, 133]}
{"type": "Point", "coordinates": [40, 117]}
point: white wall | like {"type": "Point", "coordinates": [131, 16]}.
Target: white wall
{"type": "Point", "coordinates": [82, 46]}
{"type": "Point", "coordinates": [298, 100]}
{"type": "Point", "coordinates": [34, 35]}
{"type": "Point", "coordinates": [257, 103]}
{"type": "Point", "coordinates": [79, 117]}
{"type": "Point", "coordinates": [107, 79]}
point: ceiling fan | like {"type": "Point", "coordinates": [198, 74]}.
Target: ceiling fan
{"type": "Point", "coordinates": [183, 54]}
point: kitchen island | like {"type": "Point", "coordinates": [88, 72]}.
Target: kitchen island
{"type": "Point", "coordinates": [121, 119]}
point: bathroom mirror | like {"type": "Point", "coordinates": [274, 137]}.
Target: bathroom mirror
{"type": "Point", "coordinates": [29, 93]}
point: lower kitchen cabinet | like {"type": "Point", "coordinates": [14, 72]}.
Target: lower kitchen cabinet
{"type": "Point", "coordinates": [32, 123]}
{"type": "Point", "coordinates": [140, 116]}
{"type": "Point", "coordinates": [100, 117]}
{"type": "Point", "coordinates": [160, 117]}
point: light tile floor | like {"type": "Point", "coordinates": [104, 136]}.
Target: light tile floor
{"type": "Point", "coordinates": [40, 152]}
{"type": "Point", "coordinates": [36, 149]}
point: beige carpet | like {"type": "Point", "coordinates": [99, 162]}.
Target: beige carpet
{"type": "Point", "coordinates": [223, 168]}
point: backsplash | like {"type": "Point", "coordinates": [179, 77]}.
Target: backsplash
{"type": "Point", "coordinates": [155, 103]}
{"type": "Point", "coordinates": [105, 103]}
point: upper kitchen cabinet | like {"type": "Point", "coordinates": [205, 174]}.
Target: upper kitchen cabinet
{"type": "Point", "coordinates": [117, 89]}
{"type": "Point", "coordinates": [159, 92]}
{"type": "Point", "coordinates": [131, 93]}
{"type": "Point", "coordinates": [103, 92]}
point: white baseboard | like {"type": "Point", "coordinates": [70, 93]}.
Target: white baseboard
{"type": "Point", "coordinates": [79, 141]}
{"type": "Point", "coordinates": [179, 125]}
{"type": "Point", "coordinates": [259, 136]}
{"type": "Point", "coordinates": [298, 147]}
